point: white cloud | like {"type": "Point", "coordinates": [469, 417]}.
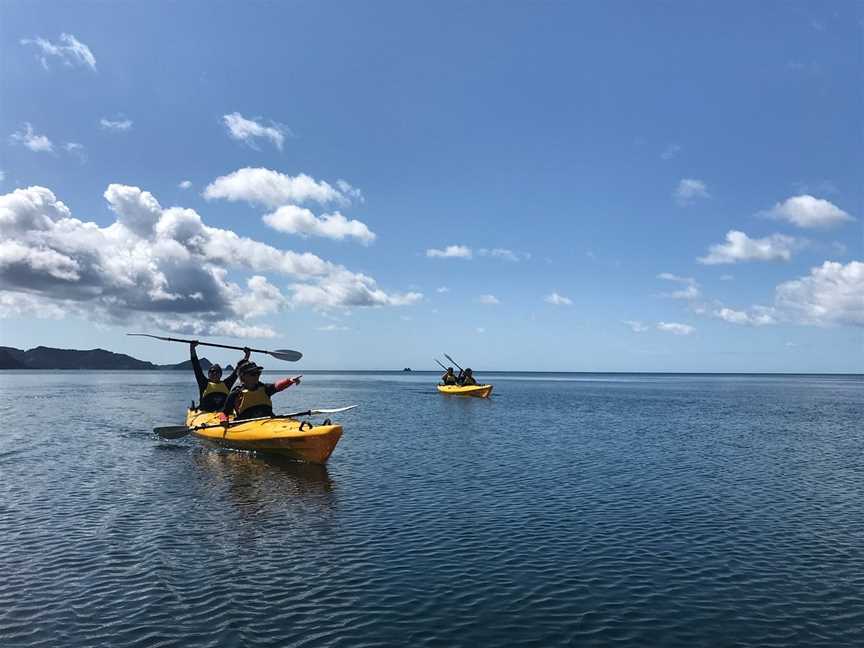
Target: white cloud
{"type": "Point", "coordinates": [450, 252]}
{"type": "Point", "coordinates": [249, 130]}
{"type": "Point", "coordinates": [832, 293]}
{"type": "Point", "coordinates": [557, 300]}
{"type": "Point", "coordinates": [740, 247]}
{"type": "Point", "coordinates": [76, 149]}
{"type": "Point", "coordinates": [689, 190]}
{"type": "Point", "coordinates": [186, 184]}
{"type": "Point", "coordinates": [2, 175]}
{"type": "Point", "coordinates": [351, 193]}
{"type": "Point", "coordinates": [671, 151]}
{"type": "Point", "coordinates": [159, 267]}
{"type": "Point", "coordinates": [117, 125]}
{"type": "Point", "coordinates": [480, 330]}
{"type": "Point", "coordinates": [503, 253]}
{"type": "Point", "coordinates": [726, 277]}
{"type": "Point", "coordinates": [689, 291]}
{"type": "Point", "coordinates": [442, 289]}
{"type": "Point", "coordinates": [272, 189]}
{"type": "Point", "coordinates": [341, 289]}
{"type": "Point", "coordinates": [808, 212]}
{"type": "Point", "coordinates": [759, 316]}
{"type": "Point", "coordinates": [637, 326]}
{"type": "Point", "coordinates": [299, 220]}
{"type": "Point", "coordinates": [69, 50]}
{"type": "Point", "coordinates": [489, 300]}
{"type": "Point", "coordinates": [675, 328]}
{"type": "Point", "coordinates": [332, 327]}
{"type": "Point", "coordinates": [28, 138]}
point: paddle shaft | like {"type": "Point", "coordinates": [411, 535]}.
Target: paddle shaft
{"type": "Point", "coordinates": [454, 362]}
{"type": "Point", "coordinates": [440, 364]}
{"type": "Point", "coordinates": [211, 344]}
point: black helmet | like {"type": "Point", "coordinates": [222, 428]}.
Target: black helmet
{"type": "Point", "coordinates": [213, 368]}
{"type": "Point", "coordinates": [250, 368]}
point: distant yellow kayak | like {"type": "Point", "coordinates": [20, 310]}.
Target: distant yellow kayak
{"type": "Point", "coordinates": [478, 391]}
{"type": "Point", "coordinates": [283, 436]}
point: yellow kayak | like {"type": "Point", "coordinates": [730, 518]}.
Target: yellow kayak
{"type": "Point", "coordinates": [283, 436]}
{"type": "Point", "coordinates": [478, 391]}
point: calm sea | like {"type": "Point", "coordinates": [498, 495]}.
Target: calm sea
{"type": "Point", "coordinates": [568, 510]}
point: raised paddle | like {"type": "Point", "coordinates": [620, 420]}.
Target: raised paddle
{"type": "Point", "coordinates": [178, 431]}
{"type": "Point", "coordinates": [440, 364]}
{"type": "Point", "coordinates": [454, 362]}
{"type": "Point", "coordinates": [280, 354]}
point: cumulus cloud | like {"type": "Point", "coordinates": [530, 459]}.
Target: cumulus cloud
{"type": "Point", "coordinates": [808, 212]}
{"type": "Point", "coordinates": [185, 184]}
{"type": "Point", "coordinates": [557, 300]}
{"type": "Point", "coordinates": [832, 293]}
{"type": "Point", "coordinates": [76, 149]}
{"type": "Point", "coordinates": [740, 247]}
{"type": "Point", "coordinates": [689, 190]}
{"type": "Point", "coordinates": [450, 252]}
{"type": "Point", "coordinates": [690, 289]}
{"type": "Point", "coordinates": [249, 130]}
{"type": "Point", "coordinates": [116, 125]}
{"type": "Point", "coordinates": [332, 327]}
{"type": "Point", "coordinates": [675, 328]}
{"type": "Point", "coordinates": [68, 50]}
{"type": "Point", "coordinates": [160, 266]}
{"type": "Point", "coordinates": [442, 289]}
{"type": "Point", "coordinates": [637, 326]}
{"type": "Point", "coordinates": [273, 189]}
{"type": "Point", "coordinates": [28, 138]}
{"type": "Point", "coordinates": [489, 300]}
{"type": "Point", "coordinates": [299, 220]}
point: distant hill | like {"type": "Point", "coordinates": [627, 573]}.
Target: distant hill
{"type": "Point", "coordinates": [48, 358]}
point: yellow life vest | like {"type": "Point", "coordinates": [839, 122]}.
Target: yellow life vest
{"type": "Point", "coordinates": [215, 388]}
{"type": "Point", "coordinates": [253, 398]}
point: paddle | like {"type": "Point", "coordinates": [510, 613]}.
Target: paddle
{"type": "Point", "coordinates": [440, 364]}
{"type": "Point", "coordinates": [178, 431]}
{"type": "Point", "coordinates": [454, 362]}
{"type": "Point", "coordinates": [280, 354]}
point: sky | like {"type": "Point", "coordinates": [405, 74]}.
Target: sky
{"type": "Point", "coordinates": [549, 186]}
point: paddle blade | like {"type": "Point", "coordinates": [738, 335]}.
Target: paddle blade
{"type": "Point", "coordinates": [172, 431]}
{"type": "Point", "coordinates": [286, 354]}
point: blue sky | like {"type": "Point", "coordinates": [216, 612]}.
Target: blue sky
{"type": "Point", "coordinates": [609, 186]}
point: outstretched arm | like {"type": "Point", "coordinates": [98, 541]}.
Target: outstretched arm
{"type": "Point", "coordinates": [281, 385]}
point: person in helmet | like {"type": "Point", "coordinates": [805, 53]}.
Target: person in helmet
{"type": "Point", "coordinates": [468, 379]}
{"type": "Point", "coordinates": [449, 378]}
{"type": "Point", "coordinates": [251, 399]}
{"type": "Point", "coordinates": [212, 390]}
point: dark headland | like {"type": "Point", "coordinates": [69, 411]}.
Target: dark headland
{"type": "Point", "coordinates": [42, 357]}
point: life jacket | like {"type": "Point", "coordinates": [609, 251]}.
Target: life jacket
{"type": "Point", "coordinates": [468, 381]}
{"type": "Point", "coordinates": [213, 397]}
{"type": "Point", "coordinates": [254, 402]}
{"type": "Point", "coordinates": [448, 379]}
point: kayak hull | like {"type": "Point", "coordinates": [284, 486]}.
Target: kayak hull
{"type": "Point", "coordinates": [279, 436]}
{"type": "Point", "coordinates": [477, 391]}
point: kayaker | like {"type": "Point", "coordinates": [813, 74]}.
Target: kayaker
{"type": "Point", "coordinates": [251, 399]}
{"type": "Point", "coordinates": [468, 379]}
{"type": "Point", "coordinates": [449, 378]}
{"type": "Point", "coordinates": [212, 390]}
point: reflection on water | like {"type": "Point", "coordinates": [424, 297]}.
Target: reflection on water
{"type": "Point", "coordinates": [646, 511]}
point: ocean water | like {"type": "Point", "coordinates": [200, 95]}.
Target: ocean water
{"type": "Point", "coordinates": [567, 510]}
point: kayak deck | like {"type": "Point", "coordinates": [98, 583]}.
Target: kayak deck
{"type": "Point", "coordinates": [478, 391]}
{"type": "Point", "coordinates": [282, 436]}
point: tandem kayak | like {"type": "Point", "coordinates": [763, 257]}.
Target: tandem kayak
{"type": "Point", "coordinates": [478, 391]}
{"type": "Point", "coordinates": [283, 436]}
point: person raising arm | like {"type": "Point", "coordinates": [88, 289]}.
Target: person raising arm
{"type": "Point", "coordinates": [212, 390]}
